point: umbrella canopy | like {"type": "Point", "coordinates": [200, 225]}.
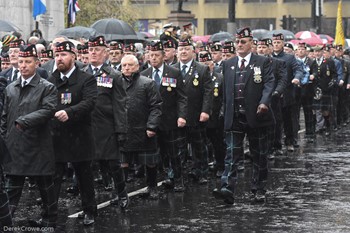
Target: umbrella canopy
{"type": "Point", "coordinates": [147, 35]}
{"type": "Point", "coordinates": [78, 32]}
{"type": "Point", "coordinates": [221, 36]}
{"type": "Point", "coordinates": [115, 29]}
{"type": "Point", "coordinates": [313, 41]}
{"type": "Point", "coordinates": [259, 33]}
{"type": "Point", "coordinates": [6, 26]}
{"type": "Point", "coordinates": [305, 35]}
{"type": "Point", "coordinates": [326, 39]}
{"type": "Point", "coordinates": [204, 39]}
{"type": "Point", "coordinates": [288, 35]}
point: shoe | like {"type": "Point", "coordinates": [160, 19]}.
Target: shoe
{"type": "Point", "coordinates": [260, 196]}
{"type": "Point", "coordinates": [193, 176]}
{"type": "Point", "coordinates": [88, 219]}
{"type": "Point", "coordinates": [344, 124]}
{"type": "Point", "coordinates": [81, 215]}
{"type": "Point", "coordinates": [227, 195]}
{"type": "Point", "coordinates": [151, 193]}
{"type": "Point", "coordinates": [99, 180]}
{"type": "Point", "coordinates": [108, 187]}
{"type": "Point", "coordinates": [73, 190]}
{"type": "Point", "coordinates": [310, 140]}
{"type": "Point", "coordinates": [39, 201]}
{"type": "Point", "coordinates": [124, 202]}
{"type": "Point", "coordinates": [219, 173]}
{"type": "Point", "coordinates": [271, 156]}
{"type": "Point", "coordinates": [224, 194]}
{"type": "Point", "coordinates": [240, 167]}
{"type": "Point", "coordinates": [179, 186]}
{"type": "Point", "coordinates": [290, 148]}
{"type": "Point", "coordinates": [203, 180]}
{"type": "Point", "coordinates": [217, 193]}
{"type": "Point", "coordinates": [327, 133]}
{"type": "Point", "coordinates": [168, 183]}
{"type": "Point", "coordinates": [278, 152]}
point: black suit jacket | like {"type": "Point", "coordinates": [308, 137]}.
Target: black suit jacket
{"type": "Point", "coordinates": [254, 93]}
{"type": "Point", "coordinates": [199, 97]}
{"type": "Point", "coordinates": [325, 75]}
{"type": "Point", "coordinates": [73, 139]}
{"type": "Point", "coordinates": [217, 82]}
{"type": "Point", "coordinates": [174, 98]}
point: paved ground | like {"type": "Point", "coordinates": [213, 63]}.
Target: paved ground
{"type": "Point", "coordinates": [308, 192]}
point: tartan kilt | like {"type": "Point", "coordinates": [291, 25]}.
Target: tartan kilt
{"type": "Point", "coordinates": [325, 103]}
{"type": "Point", "coordinates": [141, 157]}
{"type": "Point", "coordinates": [170, 142]}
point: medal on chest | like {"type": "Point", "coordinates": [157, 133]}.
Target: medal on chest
{"type": "Point", "coordinates": [169, 83]}
{"type": "Point", "coordinates": [257, 75]}
{"type": "Point", "coordinates": [66, 98]}
{"type": "Point", "coordinates": [216, 89]}
{"type": "Point", "coordinates": [195, 80]}
{"type": "Point", "coordinates": [104, 81]}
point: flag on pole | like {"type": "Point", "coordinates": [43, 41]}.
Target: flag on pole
{"type": "Point", "coordinates": [339, 33]}
{"type": "Point", "coordinates": [39, 8]}
{"type": "Point", "coordinates": [73, 8]}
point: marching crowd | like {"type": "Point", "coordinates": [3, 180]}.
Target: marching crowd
{"type": "Point", "coordinates": [132, 110]}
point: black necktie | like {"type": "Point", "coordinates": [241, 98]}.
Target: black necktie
{"type": "Point", "coordinates": [15, 75]}
{"type": "Point", "coordinates": [157, 77]}
{"type": "Point", "coordinates": [64, 78]}
{"type": "Point", "coordinates": [242, 64]}
{"type": "Point", "coordinates": [183, 71]}
{"type": "Point", "coordinates": [95, 71]}
{"type": "Point", "coordinates": [24, 83]}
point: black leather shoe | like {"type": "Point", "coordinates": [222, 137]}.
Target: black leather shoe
{"type": "Point", "coordinates": [151, 193]}
{"type": "Point", "coordinates": [217, 193]}
{"type": "Point", "coordinates": [39, 201]}
{"type": "Point", "coordinates": [227, 195]}
{"type": "Point", "coordinates": [258, 196]}
{"type": "Point", "coordinates": [271, 156]}
{"type": "Point", "coordinates": [124, 202]}
{"type": "Point", "coordinates": [278, 152]}
{"type": "Point", "coordinates": [73, 190]}
{"type": "Point", "coordinates": [219, 173]}
{"type": "Point", "coordinates": [89, 219]}
{"type": "Point", "coordinates": [203, 180]}
{"type": "Point", "coordinates": [168, 183]}
{"type": "Point", "coordinates": [81, 215]}
{"type": "Point", "coordinates": [179, 186]}
{"type": "Point", "coordinates": [108, 187]}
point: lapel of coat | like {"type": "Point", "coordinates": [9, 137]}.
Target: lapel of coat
{"type": "Point", "coordinates": [191, 72]}
{"type": "Point", "coordinates": [232, 66]}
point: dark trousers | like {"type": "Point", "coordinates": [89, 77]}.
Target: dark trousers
{"type": "Point", "coordinates": [310, 117]}
{"type": "Point", "coordinates": [258, 147]}
{"type": "Point", "coordinates": [14, 187]}
{"type": "Point", "coordinates": [84, 176]}
{"type": "Point", "coordinates": [290, 124]}
{"type": "Point", "coordinates": [276, 131]}
{"type": "Point", "coordinates": [216, 137]}
{"type": "Point", "coordinates": [196, 137]}
{"type": "Point", "coordinates": [343, 105]}
{"type": "Point", "coordinates": [169, 142]}
{"type": "Point", "coordinates": [114, 170]}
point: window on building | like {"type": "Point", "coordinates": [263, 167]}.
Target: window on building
{"type": "Point", "coordinates": [297, 0]}
{"type": "Point", "coordinates": [188, 1]}
{"type": "Point", "coordinates": [258, 1]}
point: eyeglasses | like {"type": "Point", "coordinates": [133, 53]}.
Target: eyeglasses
{"type": "Point", "coordinates": [241, 41]}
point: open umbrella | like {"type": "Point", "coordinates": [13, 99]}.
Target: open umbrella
{"type": "Point", "coordinates": [204, 39]}
{"type": "Point", "coordinates": [259, 33]}
{"type": "Point", "coordinates": [221, 36]}
{"type": "Point", "coordinates": [78, 32]}
{"type": "Point", "coordinates": [305, 35]}
{"type": "Point", "coordinates": [147, 35]}
{"type": "Point", "coordinates": [313, 41]}
{"type": "Point", "coordinates": [6, 26]}
{"type": "Point", "coordinates": [326, 39]}
{"type": "Point", "coordinates": [115, 29]}
{"type": "Point", "coordinates": [288, 35]}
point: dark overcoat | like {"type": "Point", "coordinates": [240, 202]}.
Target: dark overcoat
{"type": "Point", "coordinates": [143, 104]}
{"type": "Point", "coordinates": [173, 96]}
{"type": "Point", "coordinates": [73, 140]}
{"type": "Point", "coordinates": [32, 107]}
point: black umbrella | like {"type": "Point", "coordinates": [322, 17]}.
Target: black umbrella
{"type": "Point", "coordinates": [221, 36]}
{"type": "Point", "coordinates": [259, 33]}
{"type": "Point", "coordinates": [6, 26]}
{"type": "Point", "coordinates": [288, 35]}
{"type": "Point", "coordinates": [115, 29]}
{"type": "Point", "coordinates": [78, 32]}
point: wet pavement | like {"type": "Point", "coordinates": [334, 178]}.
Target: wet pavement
{"type": "Point", "coordinates": [308, 191]}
